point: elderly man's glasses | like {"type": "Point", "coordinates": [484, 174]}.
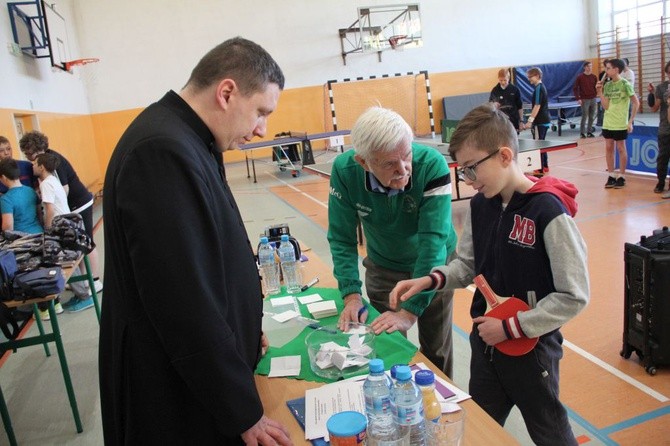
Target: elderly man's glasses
{"type": "Point", "coordinates": [469, 171]}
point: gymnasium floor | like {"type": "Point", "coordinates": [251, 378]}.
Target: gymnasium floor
{"type": "Point", "coordinates": [610, 400]}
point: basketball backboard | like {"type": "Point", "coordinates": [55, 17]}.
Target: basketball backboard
{"type": "Point", "coordinates": [387, 27]}
{"type": "Point", "coordinates": [57, 36]}
{"type": "Point", "coordinates": [40, 31]}
{"type": "Point", "coordinates": [381, 28]}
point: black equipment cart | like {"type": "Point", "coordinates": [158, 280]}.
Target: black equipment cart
{"type": "Point", "coordinates": [646, 326]}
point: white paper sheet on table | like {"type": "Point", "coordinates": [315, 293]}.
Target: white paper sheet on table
{"type": "Point", "coordinates": [284, 366]}
{"type": "Point", "coordinates": [324, 401]}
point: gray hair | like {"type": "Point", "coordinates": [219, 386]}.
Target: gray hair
{"type": "Point", "coordinates": [379, 130]}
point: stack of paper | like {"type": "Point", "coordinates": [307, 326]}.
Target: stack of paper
{"type": "Point", "coordinates": [322, 309]}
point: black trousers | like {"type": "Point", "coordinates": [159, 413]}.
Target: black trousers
{"type": "Point", "coordinates": [498, 382]}
{"type": "Point", "coordinates": [663, 157]}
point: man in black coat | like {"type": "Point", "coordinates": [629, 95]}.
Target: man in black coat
{"type": "Point", "coordinates": [181, 333]}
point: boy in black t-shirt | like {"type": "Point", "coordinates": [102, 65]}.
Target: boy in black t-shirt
{"type": "Point", "coordinates": [539, 119]}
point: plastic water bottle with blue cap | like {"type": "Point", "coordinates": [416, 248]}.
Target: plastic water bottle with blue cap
{"type": "Point", "coordinates": [378, 402]}
{"type": "Point", "coordinates": [290, 266]}
{"type": "Point", "coordinates": [269, 267]}
{"type": "Point", "coordinates": [409, 406]}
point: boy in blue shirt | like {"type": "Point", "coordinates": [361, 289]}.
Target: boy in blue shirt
{"type": "Point", "coordinates": [19, 203]}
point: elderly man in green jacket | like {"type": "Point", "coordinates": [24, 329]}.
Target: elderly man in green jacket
{"type": "Point", "coordinates": [401, 194]}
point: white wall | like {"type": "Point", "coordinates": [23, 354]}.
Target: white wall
{"type": "Point", "coordinates": [149, 46]}
{"type": "Point", "coordinates": [30, 84]}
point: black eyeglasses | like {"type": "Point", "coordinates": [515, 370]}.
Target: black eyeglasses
{"type": "Point", "coordinates": [469, 171]}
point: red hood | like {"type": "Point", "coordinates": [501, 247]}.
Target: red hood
{"type": "Point", "coordinates": [563, 190]}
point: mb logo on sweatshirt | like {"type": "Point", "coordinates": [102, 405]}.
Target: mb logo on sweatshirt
{"type": "Point", "coordinates": [523, 231]}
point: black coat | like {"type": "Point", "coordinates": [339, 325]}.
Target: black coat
{"type": "Point", "coordinates": [181, 316]}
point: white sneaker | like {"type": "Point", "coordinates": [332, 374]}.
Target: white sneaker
{"type": "Point", "coordinates": [98, 285]}
{"type": "Point", "coordinates": [44, 314]}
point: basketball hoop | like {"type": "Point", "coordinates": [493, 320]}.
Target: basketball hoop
{"type": "Point", "coordinates": [78, 62]}
{"type": "Point", "coordinates": [396, 42]}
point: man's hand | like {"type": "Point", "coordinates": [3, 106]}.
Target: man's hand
{"type": "Point", "coordinates": [391, 321]}
{"type": "Point", "coordinates": [490, 330]}
{"type": "Point", "coordinates": [267, 432]}
{"type": "Point", "coordinates": [354, 311]}
{"type": "Point", "coordinates": [405, 289]}
{"type": "Point", "coordinates": [650, 87]}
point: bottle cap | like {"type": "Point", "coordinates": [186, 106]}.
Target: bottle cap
{"type": "Point", "coordinates": [394, 370]}
{"type": "Point", "coordinates": [424, 377]}
{"type": "Point", "coordinates": [403, 373]}
{"type": "Point", "coordinates": [376, 365]}
{"type": "Point", "coordinates": [284, 238]}
{"type": "Point", "coordinates": [264, 240]}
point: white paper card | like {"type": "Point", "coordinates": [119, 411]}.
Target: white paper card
{"type": "Point", "coordinates": [284, 366]}
{"type": "Point", "coordinates": [285, 316]}
{"type": "Point", "coordinates": [309, 299]}
{"type": "Point", "coordinates": [322, 309]}
{"type": "Point", "coordinates": [279, 301]}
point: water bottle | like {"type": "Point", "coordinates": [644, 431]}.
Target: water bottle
{"type": "Point", "coordinates": [432, 410]}
{"type": "Point", "coordinates": [378, 404]}
{"type": "Point", "coordinates": [409, 406]}
{"type": "Point", "coordinates": [269, 267]}
{"type": "Point", "coordinates": [289, 266]}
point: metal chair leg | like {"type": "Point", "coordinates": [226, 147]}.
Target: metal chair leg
{"type": "Point", "coordinates": [40, 328]}
{"type": "Point", "coordinates": [91, 285]}
{"type": "Point", "coordinates": [7, 420]}
{"type": "Point", "coordinates": [63, 365]}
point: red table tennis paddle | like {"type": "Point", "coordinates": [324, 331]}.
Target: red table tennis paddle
{"type": "Point", "coordinates": [504, 308]}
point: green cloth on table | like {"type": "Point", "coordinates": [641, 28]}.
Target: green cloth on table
{"type": "Point", "coordinates": [393, 348]}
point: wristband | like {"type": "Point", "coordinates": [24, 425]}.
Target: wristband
{"type": "Point", "coordinates": [530, 120]}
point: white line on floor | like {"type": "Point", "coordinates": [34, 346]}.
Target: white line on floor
{"type": "Point", "coordinates": [298, 190]}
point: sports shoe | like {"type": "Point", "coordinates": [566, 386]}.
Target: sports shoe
{"type": "Point", "coordinates": [611, 182]}
{"type": "Point", "coordinates": [581, 135]}
{"type": "Point", "coordinates": [620, 182]}
{"type": "Point", "coordinates": [98, 285]}
{"type": "Point", "coordinates": [76, 304]}
{"type": "Point", "coordinates": [44, 314]}
{"type": "Point", "coordinates": [590, 135]}
{"type": "Point", "coordinates": [659, 187]}
{"type": "Point", "coordinates": [666, 194]}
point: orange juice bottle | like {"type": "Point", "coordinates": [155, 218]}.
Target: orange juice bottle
{"type": "Point", "coordinates": [432, 410]}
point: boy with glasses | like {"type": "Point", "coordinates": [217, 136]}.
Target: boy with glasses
{"type": "Point", "coordinates": [519, 233]}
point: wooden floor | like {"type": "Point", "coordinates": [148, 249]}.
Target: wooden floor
{"type": "Point", "coordinates": [614, 398]}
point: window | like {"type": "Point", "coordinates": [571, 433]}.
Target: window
{"type": "Point", "coordinates": [625, 14]}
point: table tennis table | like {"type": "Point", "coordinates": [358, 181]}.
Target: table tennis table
{"type": "Point", "coordinates": [525, 146]}
{"type": "Point", "coordinates": [303, 140]}
{"type": "Point", "coordinates": [561, 109]}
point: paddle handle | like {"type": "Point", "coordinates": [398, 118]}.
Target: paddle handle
{"type": "Point", "coordinates": [486, 290]}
